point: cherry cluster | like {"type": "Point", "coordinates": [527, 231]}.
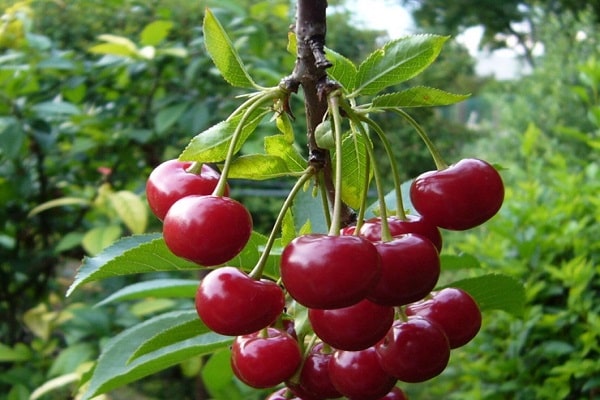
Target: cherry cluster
{"type": "Point", "coordinates": [373, 316]}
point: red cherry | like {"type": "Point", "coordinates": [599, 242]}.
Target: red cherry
{"type": "Point", "coordinates": [208, 230]}
{"type": "Point", "coordinates": [358, 374]}
{"type": "Point", "coordinates": [231, 303]}
{"type": "Point", "coordinates": [265, 361]}
{"type": "Point", "coordinates": [314, 377]}
{"type": "Point", "coordinates": [414, 350]}
{"type": "Point", "coordinates": [371, 229]}
{"type": "Point", "coordinates": [395, 394]}
{"type": "Point", "coordinates": [355, 327]}
{"type": "Point", "coordinates": [454, 310]}
{"type": "Point", "coordinates": [171, 181]}
{"type": "Point", "coordinates": [410, 267]}
{"type": "Point", "coordinates": [328, 272]}
{"type": "Point", "coordinates": [462, 196]}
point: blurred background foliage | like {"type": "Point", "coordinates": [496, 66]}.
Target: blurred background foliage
{"type": "Point", "coordinates": [82, 126]}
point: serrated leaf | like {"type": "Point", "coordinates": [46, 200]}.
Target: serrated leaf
{"type": "Point", "coordinates": [354, 158]}
{"type": "Point", "coordinates": [284, 125]}
{"type": "Point", "coordinates": [419, 96]}
{"type": "Point", "coordinates": [155, 32]}
{"type": "Point", "coordinates": [495, 292]}
{"type": "Point", "coordinates": [131, 255]}
{"type": "Point", "coordinates": [131, 209]}
{"type": "Point", "coordinates": [278, 145]}
{"type": "Point", "coordinates": [171, 334]}
{"type": "Point", "coordinates": [161, 288]}
{"type": "Point", "coordinates": [258, 167]}
{"type": "Point", "coordinates": [223, 53]}
{"type": "Point", "coordinates": [288, 228]}
{"type": "Point", "coordinates": [343, 70]}
{"type": "Point", "coordinates": [212, 144]}
{"type": "Point", "coordinates": [396, 62]}
{"type": "Point", "coordinates": [114, 369]}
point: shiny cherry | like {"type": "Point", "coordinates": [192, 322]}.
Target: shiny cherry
{"type": "Point", "coordinates": [171, 181]}
{"type": "Point", "coordinates": [266, 358]}
{"type": "Point", "coordinates": [416, 224]}
{"type": "Point", "coordinates": [314, 376]}
{"type": "Point", "coordinates": [410, 266]}
{"type": "Point", "coordinates": [321, 271]}
{"type": "Point", "coordinates": [208, 230]}
{"type": "Point", "coordinates": [395, 394]}
{"type": "Point", "coordinates": [355, 327]}
{"type": "Point", "coordinates": [230, 302]}
{"type": "Point", "coordinates": [460, 197]}
{"type": "Point", "coordinates": [358, 374]}
{"type": "Point", "coordinates": [454, 310]}
{"type": "Point", "coordinates": [414, 350]}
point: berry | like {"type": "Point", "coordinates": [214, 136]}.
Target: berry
{"type": "Point", "coordinates": [171, 181]}
{"type": "Point", "coordinates": [355, 327]}
{"type": "Point", "coordinates": [321, 271]}
{"type": "Point", "coordinates": [414, 350]}
{"type": "Point", "coordinates": [314, 377]}
{"type": "Point", "coordinates": [208, 230]}
{"type": "Point", "coordinates": [231, 303]}
{"type": "Point", "coordinates": [266, 358]}
{"type": "Point", "coordinates": [358, 374]}
{"type": "Point", "coordinates": [454, 310]}
{"type": "Point", "coordinates": [395, 394]}
{"type": "Point", "coordinates": [460, 197]}
{"type": "Point", "coordinates": [371, 229]}
{"type": "Point", "coordinates": [410, 268]}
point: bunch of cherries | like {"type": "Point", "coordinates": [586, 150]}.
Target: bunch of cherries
{"type": "Point", "coordinates": [373, 316]}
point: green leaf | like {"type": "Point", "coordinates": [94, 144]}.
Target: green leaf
{"type": "Point", "coordinates": [61, 202]}
{"type": "Point", "coordinates": [396, 62]}
{"type": "Point", "coordinates": [14, 354]}
{"type": "Point", "coordinates": [131, 209]}
{"type": "Point", "coordinates": [223, 54]}
{"type": "Point", "coordinates": [131, 255]}
{"type": "Point", "coordinates": [258, 167]}
{"type": "Point", "coordinates": [155, 32]}
{"type": "Point", "coordinates": [278, 145]}
{"type": "Point", "coordinates": [212, 144]}
{"type": "Point", "coordinates": [52, 109]}
{"type": "Point", "coordinates": [419, 96]}
{"type": "Point", "coordinates": [161, 288]}
{"type": "Point", "coordinates": [168, 116]}
{"type": "Point", "coordinates": [495, 292]}
{"type": "Point", "coordinates": [100, 237]}
{"type": "Point", "coordinates": [113, 49]}
{"type": "Point", "coordinates": [178, 332]}
{"type": "Point", "coordinates": [114, 368]}
{"type": "Point", "coordinates": [354, 157]}
{"type": "Point", "coordinates": [343, 70]}
{"type": "Point", "coordinates": [218, 377]}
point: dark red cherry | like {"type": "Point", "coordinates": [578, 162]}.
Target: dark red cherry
{"type": "Point", "coordinates": [454, 310]}
{"type": "Point", "coordinates": [358, 374]}
{"type": "Point", "coordinates": [395, 394]}
{"type": "Point", "coordinates": [460, 197]}
{"type": "Point", "coordinates": [321, 271]}
{"type": "Point", "coordinates": [266, 358]}
{"type": "Point", "coordinates": [171, 181]}
{"type": "Point", "coordinates": [208, 230]}
{"type": "Point", "coordinates": [414, 350]}
{"type": "Point", "coordinates": [410, 266]}
{"type": "Point", "coordinates": [314, 377]}
{"type": "Point", "coordinates": [416, 224]}
{"type": "Point", "coordinates": [231, 303]}
{"type": "Point", "coordinates": [355, 327]}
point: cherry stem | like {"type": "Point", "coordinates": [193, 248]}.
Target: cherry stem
{"type": "Point", "coordinates": [334, 109]}
{"type": "Point", "coordinates": [363, 203]}
{"type": "Point", "coordinates": [252, 105]}
{"type": "Point", "coordinates": [194, 168]}
{"type": "Point", "coordinates": [437, 157]}
{"type": "Point", "coordinates": [324, 199]}
{"type": "Point", "coordinates": [258, 269]}
{"type": "Point", "coordinates": [400, 212]}
{"type": "Point", "coordinates": [386, 235]}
